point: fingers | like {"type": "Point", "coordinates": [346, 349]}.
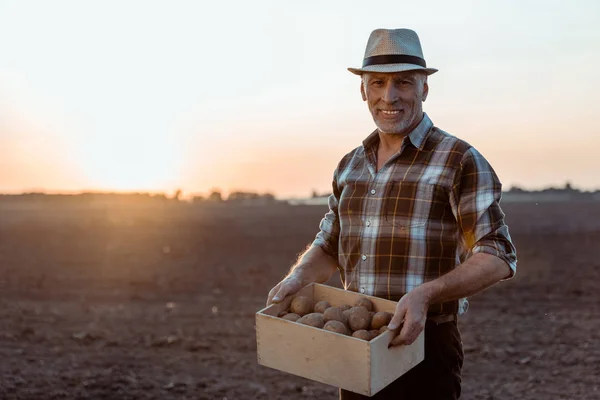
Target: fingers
{"type": "Point", "coordinates": [410, 331]}
{"type": "Point", "coordinates": [281, 293]}
{"type": "Point", "coordinates": [396, 341]}
{"type": "Point", "coordinates": [272, 293]}
{"type": "Point", "coordinates": [398, 318]}
{"type": "Point", "coordinates": [396, 323]}
{"type": "Point", "coordinates": [282, 290]}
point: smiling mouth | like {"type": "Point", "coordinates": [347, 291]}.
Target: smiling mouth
{"type": "Point", "coordinates": [390, 112]}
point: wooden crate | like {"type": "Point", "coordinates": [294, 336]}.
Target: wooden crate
{"type": "Point", "coordinates": [331, 358]}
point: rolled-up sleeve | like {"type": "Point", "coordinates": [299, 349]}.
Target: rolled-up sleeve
{"type": "Point", "coordinates": [476, 193]}
{"type": "Point", "coordinates": [329, 233]}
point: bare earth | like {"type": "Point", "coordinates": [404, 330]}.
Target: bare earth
{"type": "Point", "coordinates": [158, 303]}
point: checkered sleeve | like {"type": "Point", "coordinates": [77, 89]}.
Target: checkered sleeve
{"type": "Point", "coordinates": [329, 234]}
{"type": "Point", "coordinates": [477, 193]}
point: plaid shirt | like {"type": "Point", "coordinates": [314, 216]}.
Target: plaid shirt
{"type": "Point", "coordinates": [430, 207]}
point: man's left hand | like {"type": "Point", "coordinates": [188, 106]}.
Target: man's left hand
{"type": "Point", "coordinates": [409, 318]}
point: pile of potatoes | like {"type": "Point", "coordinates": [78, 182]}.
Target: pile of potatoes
{"type": "Point", "coordinates": [359, 320]}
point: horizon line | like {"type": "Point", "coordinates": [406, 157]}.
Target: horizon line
{"type": "Point", "coordinates": [196, 194]}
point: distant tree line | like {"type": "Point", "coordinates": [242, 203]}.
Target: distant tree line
{"type": "Point", "coordinates": [567, 188]}
{"type": "Point", "coordinates": [214, 196]}
{"type": "Point", "coordinates": [236, 197]}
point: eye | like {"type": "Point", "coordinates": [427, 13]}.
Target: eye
{"type": "Point", "coordinates": [405, 82]}
{"type": "Point", "coordinates": [377, 82]}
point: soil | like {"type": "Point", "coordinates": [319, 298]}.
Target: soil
{"type": "Point", "coordinates": [158, 302]}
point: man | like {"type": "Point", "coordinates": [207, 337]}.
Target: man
{"type": "Point", "coordinates": [414, 217]}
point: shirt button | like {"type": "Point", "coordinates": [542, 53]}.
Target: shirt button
{"type": "Point", "coordinates": [364, 257]}
{"type": "Point", "coordinates": [362, 290]}
{"type": "Point", "coordinates": [368, 223]}
{"type": "Point", "coordinates": [373, 191]}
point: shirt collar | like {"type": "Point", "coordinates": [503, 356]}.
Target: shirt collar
{"type": "Point", "coordinates": [417, 136]}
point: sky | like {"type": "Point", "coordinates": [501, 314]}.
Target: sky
{"type": "Point", "coordinates": [237, 95]}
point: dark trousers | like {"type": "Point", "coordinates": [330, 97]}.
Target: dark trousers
{"type": "Point", "coordinates": [437, 377]}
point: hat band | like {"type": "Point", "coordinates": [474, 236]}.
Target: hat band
{"type": "Point", "coordinates": [394, 59]}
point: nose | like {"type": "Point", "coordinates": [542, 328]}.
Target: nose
{"type": "Point", "coordinates": [390, 93]}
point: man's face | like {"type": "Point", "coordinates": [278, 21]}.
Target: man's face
{"type": "Point", "coordinates": [395, 100]}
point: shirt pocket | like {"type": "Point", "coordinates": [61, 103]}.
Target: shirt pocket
{"type": "Point", "coordinates": [407, 204]}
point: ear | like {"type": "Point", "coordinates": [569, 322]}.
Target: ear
{"type": "Point", "coordinates": [362, 90]}
{"type": "Point", "coordinates": [425, 90]}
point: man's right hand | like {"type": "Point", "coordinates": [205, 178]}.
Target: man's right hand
{"type": "Point", "coordinates": [290, 285]}
{"type": "Point", "coordinates": [314, 266]}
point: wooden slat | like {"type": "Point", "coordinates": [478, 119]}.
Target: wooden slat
{"type": "Point", "coordinates": [389, 364]}
{"type": "Point", "coordinates": [313, 353]}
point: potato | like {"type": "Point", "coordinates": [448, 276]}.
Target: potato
{"type": "Point", "coordinates": [383, 329]}
{"type": "Point", "coordinates": [346, 313]}
{"type": "Point", "coordinates": [358, 318]}
{"type": "Point", "coordinates": [371, 315]}
{"type": "Point", "coordinates": [380, 319]}
{"type": "Point", "coordinates": [313, 319]}
{"type": "Point", "coordinates": [337, 327]}
{"type": "Point", "coordinates": [335, 314]}
{"type": "Point", "coordinates": [362, 334]}
{"type": "Point", "coordinates": [282, 313]}
{"type": "Point", "coordinates": [364, 302]}
{"type": "Point", "coordinates": [374, 333]}
{"type": "Point", "coordinates": [345, 307]}
{"type": "Point", "coordinates": [291, 317]}
{"type": "Point", "coordinates": [321, 306]}
{"type": "Point", "coordinates": [301, 305]}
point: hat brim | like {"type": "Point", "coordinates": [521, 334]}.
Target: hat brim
{"type": "Point", "coordinates": [390, 68]}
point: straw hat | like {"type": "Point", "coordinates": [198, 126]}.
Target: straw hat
{"type": "Point", "coordinates": [393, 50]}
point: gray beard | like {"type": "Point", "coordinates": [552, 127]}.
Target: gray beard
{"type": "Point", "coordinates": [398, 127]}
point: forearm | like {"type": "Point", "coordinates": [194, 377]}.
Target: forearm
{"type": "Point", "coordinates": [314, 265]}
{"type": "Point", "coordinates": [476, 274]}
